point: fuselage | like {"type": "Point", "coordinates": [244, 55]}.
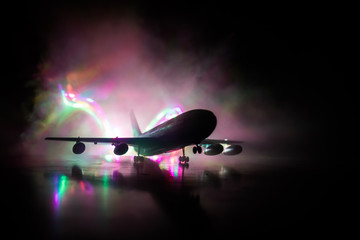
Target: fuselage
{"type": "Point", "coordinates": [188, 128]}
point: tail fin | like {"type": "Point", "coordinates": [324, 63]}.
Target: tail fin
{"type": "Point", "coordinates": [134, 124]}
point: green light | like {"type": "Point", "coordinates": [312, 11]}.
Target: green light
{"type": "Point", "coordinates": [108, 157]}
{"type": "Point", "coordinates": [106, 179]}
{"type": "Point", "coordinates": [60, 191]}
{"type": "Point", "coordinates": [105, 190]}
{"type": "Point", "coordinates": [62, 187]}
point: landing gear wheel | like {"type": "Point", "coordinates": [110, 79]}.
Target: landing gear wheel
{"type": "Point", "coordinates": [197, 149]}
{"type": "Point", "coordinates": [183, 159]}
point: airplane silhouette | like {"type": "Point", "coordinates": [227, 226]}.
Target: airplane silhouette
{"type": "Point", "coordinates": [189, 128]}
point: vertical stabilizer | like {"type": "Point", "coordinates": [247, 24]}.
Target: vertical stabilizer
{"type": "Point", "coordinates": [134, 124]}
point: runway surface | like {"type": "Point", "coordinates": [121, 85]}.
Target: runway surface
{"type": "Point", "coordinates": [247, 195]}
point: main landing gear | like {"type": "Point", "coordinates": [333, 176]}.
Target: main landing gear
{"type": "Point", "coordinates": [197, 149]}
{"type": "Point", "coordinates": [138, 163]}
{"type": "Point", "coordinates": [138, 158]}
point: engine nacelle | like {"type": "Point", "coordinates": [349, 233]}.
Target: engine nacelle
{"type": "Point", "coordinates": [214, 149]}
{"type": "Point", "coordinates": [121, 149]}
{"type": "Point", "coordinates": [233, 150]}
{"type": "Point", "coordinates": [78, 148]}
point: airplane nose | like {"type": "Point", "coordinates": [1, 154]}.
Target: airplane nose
{"type": "Point", "coordinates": [200, 125]}
{"type": "Point", "coordinates": [211, 120]}
{"type": "Point", "coordinates": [208, 121]}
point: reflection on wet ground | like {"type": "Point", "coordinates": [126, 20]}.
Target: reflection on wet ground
{"type": "Point", "coordinates": [158, 198]}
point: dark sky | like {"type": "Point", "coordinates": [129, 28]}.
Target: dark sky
{"type": "Point", "coordinates": [295, 54]}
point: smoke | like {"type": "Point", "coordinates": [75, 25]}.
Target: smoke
{"type": "Point", "coordinates": [98, 70]}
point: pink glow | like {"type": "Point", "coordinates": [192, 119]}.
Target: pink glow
{"type": "Point", "coordinates": [82, 186]}
{"type": "Point", "coordinates": [109, 71]}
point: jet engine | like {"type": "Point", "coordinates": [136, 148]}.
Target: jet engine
{"type": "Point", "coordinates": [214, 149]}
{"type": "Point", "coordinates": [78, 148]}
{"type": "Point", "coordinates": [121, 149]}
{"type": "Point", "coordinates": [233, 150]}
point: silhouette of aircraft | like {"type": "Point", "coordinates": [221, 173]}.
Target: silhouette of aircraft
{"type": "Point", "coordinates": [189, 128]}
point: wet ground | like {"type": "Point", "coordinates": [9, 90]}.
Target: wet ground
{"type": "Point", "coordinates": [213, 197]}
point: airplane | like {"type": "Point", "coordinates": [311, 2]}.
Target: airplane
{"type": "Point", "coordinates": [189, 128]}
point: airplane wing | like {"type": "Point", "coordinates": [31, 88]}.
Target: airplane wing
{"type": "Point", "coordinates": [132, 141]}
{"type": "Point", "coordinates": [221, 141]}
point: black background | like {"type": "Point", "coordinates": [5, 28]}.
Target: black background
{"type": "Point", "coordinates": [298, 53]}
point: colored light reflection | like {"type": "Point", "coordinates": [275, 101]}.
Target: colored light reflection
{"type": "Point", "coordinates": [105, 189]}
{"type": "Point", "coordinates": [65, 188]}
{"type": "Point", "coordinates": [61, 185]}
{"type": "Point", "coordinates": [169, 163]}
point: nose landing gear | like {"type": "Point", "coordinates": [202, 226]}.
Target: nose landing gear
{"type": "Point", "coordinates": [184, 160]}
